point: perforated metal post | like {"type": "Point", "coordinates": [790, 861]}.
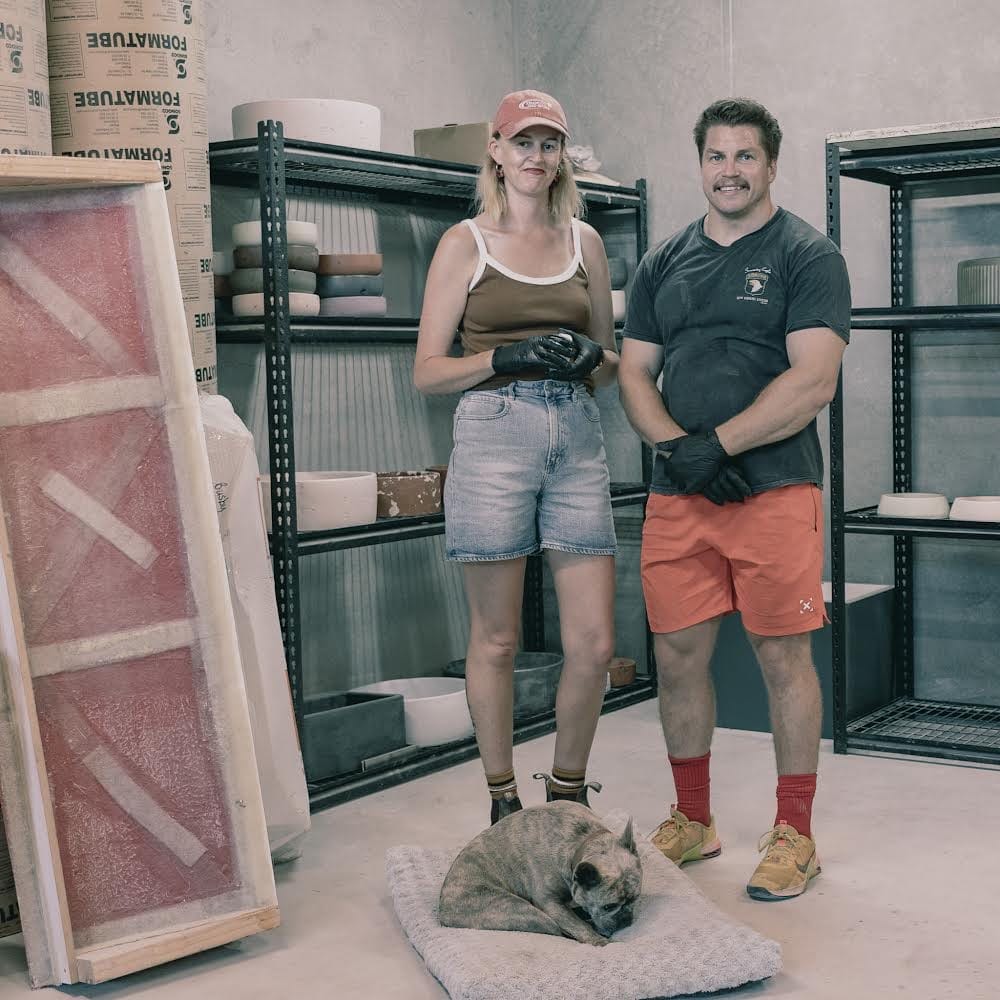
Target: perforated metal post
{"type": "Point", "coordinates": [278, 364]}
{"type": "Point", "coordinates": [838, 622]}
{"type": "Point", "coordinates": [645, 452]}
{"type": "Point", "coordinates": [902, 437]}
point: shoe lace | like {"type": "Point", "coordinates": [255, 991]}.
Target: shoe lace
{"type": "Point", "coordinates": [670, 829]}
{"type": "Point", "coordinates": [779, 843]}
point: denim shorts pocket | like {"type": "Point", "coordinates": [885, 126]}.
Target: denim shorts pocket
{"type": "Point", "coordinates": [590, 409]}
{"type": "Point", "coordinates": [482, 406]}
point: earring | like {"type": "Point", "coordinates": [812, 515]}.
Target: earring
{"type": "Point", "coordinates": [499, 169]}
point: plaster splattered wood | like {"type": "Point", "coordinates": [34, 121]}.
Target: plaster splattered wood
{"type": "Point", "coordinates": [25, 172]}
{"type": "Point", "coordinates": [122, 681]}
{"type": "Point", "coordinates": [939, 133]}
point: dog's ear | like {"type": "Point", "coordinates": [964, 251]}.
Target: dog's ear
{"type": "Point", "coordinates": [627, 839]}
{"type": "Point", "coordinates": [586, 875]}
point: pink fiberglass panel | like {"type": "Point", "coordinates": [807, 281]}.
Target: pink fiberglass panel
{"type": "Point", "coordinates": [126, 745]}
{"type": "Point", "coordinates": [92, 257]}
{"type": "Point", "coordinates": [103, 576]}
{"type": "Point", "coordinates": [75, 575]}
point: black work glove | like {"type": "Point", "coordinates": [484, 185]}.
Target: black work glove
{"type": "Point", "coordinates": [588, 356]}
{"type": "Point", "coordinates": [727, 487]}
{"type": "Point", "coordinates": [693, 461]}
{"type": "Point", "coordinates": [544, 351]}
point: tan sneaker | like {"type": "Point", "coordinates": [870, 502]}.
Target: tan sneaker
{"type": "Point", "coordinates": [787, 867]}
{"type": "Point", "coordinates": [681, 839]}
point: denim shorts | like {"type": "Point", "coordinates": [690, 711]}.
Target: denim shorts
{"type": "Point", "coordinates": [528, 472]}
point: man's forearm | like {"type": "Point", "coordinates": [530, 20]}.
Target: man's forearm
{"type": "Point", "coordinates": [783, 408]}
{"type": "Point", "coordinates": [645, 409]}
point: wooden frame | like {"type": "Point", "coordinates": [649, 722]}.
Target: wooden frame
{"type": "Point", "coordinates": [64, 942]}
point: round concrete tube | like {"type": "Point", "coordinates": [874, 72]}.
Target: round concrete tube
{"type": "Point", "coordinates": [251, 279]}
{"type": "Point", "coordinates": [536, 678]}
{"type": "Point", "coordinates": [300, 257]}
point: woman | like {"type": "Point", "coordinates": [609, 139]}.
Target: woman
{"type": "Point", "coordinates": [528, 471]}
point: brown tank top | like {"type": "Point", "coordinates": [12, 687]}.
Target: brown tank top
{"type": "Point", "coordinates": [505, 307]}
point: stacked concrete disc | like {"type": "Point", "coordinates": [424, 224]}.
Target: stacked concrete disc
{"type": "Point", "coordinates": [350, 284]}
{"type": "Point", "coordinates": [245, 281]}
{"type": "Point", "coordinates": [128, 83]}
{"type": "Point", "coordinates": [24, 79]}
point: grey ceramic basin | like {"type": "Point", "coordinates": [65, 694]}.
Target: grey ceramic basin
{"type": "Point", "coordinates": [536, 677]}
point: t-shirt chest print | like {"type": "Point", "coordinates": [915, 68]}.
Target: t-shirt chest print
{"type": "Point", "coordinates": [755, 285]}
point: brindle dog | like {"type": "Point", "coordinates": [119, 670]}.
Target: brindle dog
{"type": "Point", "coordinates": [540, 869]}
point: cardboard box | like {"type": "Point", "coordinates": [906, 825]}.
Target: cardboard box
{"type": "Point", "coordinates": [455, 143]}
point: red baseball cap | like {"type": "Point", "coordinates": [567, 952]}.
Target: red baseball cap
{"type": "Point", "coordinates": [528, 107]}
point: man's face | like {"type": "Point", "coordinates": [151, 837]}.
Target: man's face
{"type": "Point", "coordinates": [736, 175]}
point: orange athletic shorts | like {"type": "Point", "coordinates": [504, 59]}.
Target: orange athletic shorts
{"type": "Point", "coordinates": [762, 557]}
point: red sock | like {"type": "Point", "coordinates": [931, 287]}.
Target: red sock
{"type": "Point", "coordinates": [795, 801]}
{"type": "Point", "coordinates": [692, 783]}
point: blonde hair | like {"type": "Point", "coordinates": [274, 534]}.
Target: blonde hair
{"type": "Point", "coordinates": [565, 201]}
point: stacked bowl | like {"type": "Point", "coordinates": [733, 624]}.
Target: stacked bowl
{"type": "Point", "coordinates": [246, 280]}
{"type": "Point", "coordinates": [350, 284]}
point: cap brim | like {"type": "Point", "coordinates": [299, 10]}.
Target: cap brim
{"type": "Point", "coordinates": [509, 131]}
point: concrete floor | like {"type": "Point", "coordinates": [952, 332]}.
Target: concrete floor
{"type": "Point", "coordinates": [906, 905]}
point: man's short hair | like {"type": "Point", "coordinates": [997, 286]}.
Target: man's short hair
{"type": "Point", "coordinates": [740, 111]}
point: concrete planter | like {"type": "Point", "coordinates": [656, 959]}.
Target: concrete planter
{"type": "Point", "coordinates": [340, 731]}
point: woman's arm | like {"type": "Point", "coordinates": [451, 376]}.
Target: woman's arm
{"type": "Point", "coordinates": [445, 294]}
{"type": "Point", "coordinates": [602, 324]}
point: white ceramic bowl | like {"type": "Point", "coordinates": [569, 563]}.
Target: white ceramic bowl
{"type": "Point", "coordinates": [339, 123]}
{"type": "Point", "coordinates": [434, 708]}
{"type": "Point", "coordinates": [299, 304]}
{"type": "Point", "coordinates": [248, 234]}
{"type": "Point", "coordinates": [618, 304]}
{"type": "Point", "coordinates": [913, 505]}
{"type": "Point", "coordinates": [327, 500]}
{"type": "Point", "coordinates": [976, 509]}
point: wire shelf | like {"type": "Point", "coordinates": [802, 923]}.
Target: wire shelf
{"type": "Point", "coordinates": [921, 726]}
{"type": "Point", "coordinates": [885, 166]}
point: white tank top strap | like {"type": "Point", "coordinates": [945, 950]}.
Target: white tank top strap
{"type": "Point", "coordinates": [486, 258]}
{"type": "Point", "coordinates": [483, 253]}
{"type": "Point", "coordinates": [574, 225]}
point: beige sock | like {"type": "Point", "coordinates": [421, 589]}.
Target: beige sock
{"type": "Point", "coordinates": [502, 786]}
{"type": "Point", "coordinates": [567, 784]}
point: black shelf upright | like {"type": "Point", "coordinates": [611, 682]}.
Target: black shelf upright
{"type": "Point", "coordinates": [902, 159]}
{"type": "Point", "coordinates": [271, 164]}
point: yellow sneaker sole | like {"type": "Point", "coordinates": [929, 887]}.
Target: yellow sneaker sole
{"type": "Point", "coordinates": [701, 852]}
{"type": "Point", "coordinates": [766, 896]}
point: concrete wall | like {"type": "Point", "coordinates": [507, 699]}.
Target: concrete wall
{"type": "Point", "coordinates": [422, 63]}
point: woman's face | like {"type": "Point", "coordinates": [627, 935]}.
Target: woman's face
{"type": "Point", "coordinates": [529, 159]}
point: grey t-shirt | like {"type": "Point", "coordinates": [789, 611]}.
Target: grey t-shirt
{"type": "Point", "coordinates": [722, 315]}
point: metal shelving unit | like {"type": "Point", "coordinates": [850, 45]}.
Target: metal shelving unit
{"type": "Point", "coordinates": [902, 159]}
{"type": "Point", "coordinates": [270, 165]}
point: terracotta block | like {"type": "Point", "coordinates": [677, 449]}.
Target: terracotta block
{"type": "Point", "coordinates": [622, 671]}
{"type": "Point", "coordinates": [408, 494]}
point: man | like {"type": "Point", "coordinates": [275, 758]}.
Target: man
{"type": "Point", "coordinates": [746, 313]}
